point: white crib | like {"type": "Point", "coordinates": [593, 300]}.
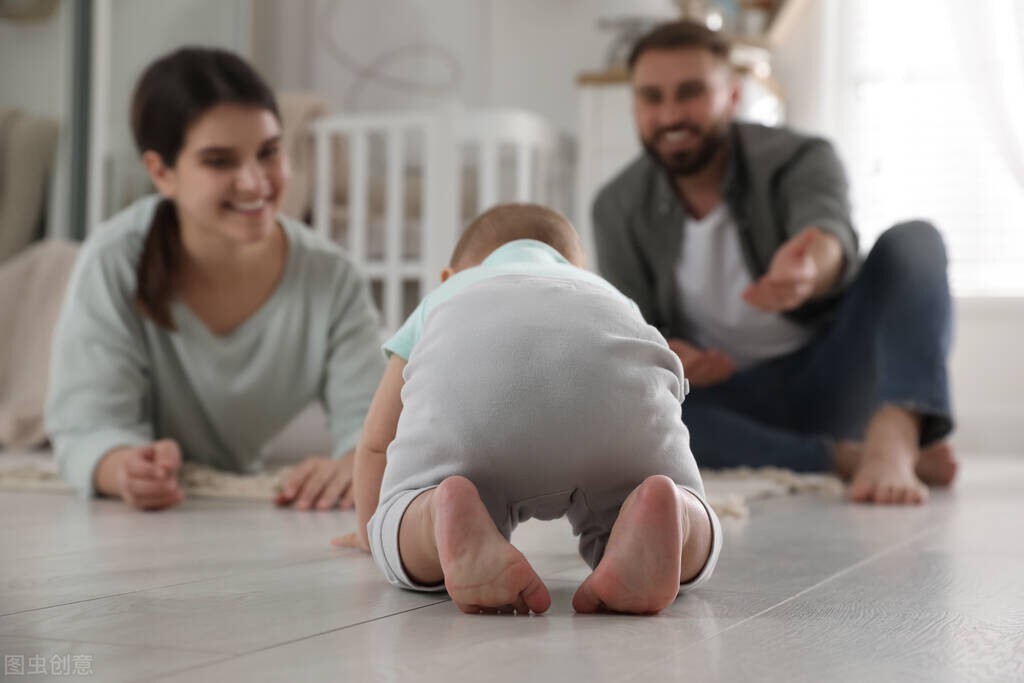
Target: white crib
{"type": "Point", "coordinates": [397, 188]}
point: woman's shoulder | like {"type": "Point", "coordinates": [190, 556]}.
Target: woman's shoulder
{"type": "Point", "coordinates": [119, 239]}
{"type": "Point", "coordinates": [316, 255]}
{"type": "Point", "coordinates": [110, 254]}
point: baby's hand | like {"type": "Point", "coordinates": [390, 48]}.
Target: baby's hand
{"type": "Point", "coordinates": [352, 540]}
{"type": "Point", "coordinates": [319, 483]}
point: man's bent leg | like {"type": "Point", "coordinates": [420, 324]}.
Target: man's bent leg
{"type": "Point", "coordinates": [721, 437]}
{"type": "Point", "coordinates": [915, 327]}
{"type": "Point", "coordinates": [896, 320]}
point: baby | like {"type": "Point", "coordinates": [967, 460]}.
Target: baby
{"type": "Point", "coordinates": [525, 386]}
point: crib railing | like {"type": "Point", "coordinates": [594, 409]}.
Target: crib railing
{"type": "Point", "coordinates": [438, 169]}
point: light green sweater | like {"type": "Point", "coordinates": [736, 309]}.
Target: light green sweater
{"type": "Point", "coordinates": [118, 379]}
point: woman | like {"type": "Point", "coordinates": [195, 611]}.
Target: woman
{"type": "Point", "coordinates": [199, 322]}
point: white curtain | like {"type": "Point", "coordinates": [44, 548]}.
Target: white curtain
{"type": "Point", "coordinates": [990, 36]}
{"type": "Point", "coordinates": [931, 97]}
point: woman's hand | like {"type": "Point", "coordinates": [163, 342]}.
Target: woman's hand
{"type": "Point", "coordinates": [319, 483]}
{"type": "Point", "coordinates": [145, 477]}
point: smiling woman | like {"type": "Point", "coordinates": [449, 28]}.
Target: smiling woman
{"type": "Point", "coordinates": [200, 322]}
{"type": "Point", "coordinates": [227, 186]}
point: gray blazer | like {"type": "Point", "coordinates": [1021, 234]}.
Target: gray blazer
{"type": "Point", "coordinates": [777, 183]}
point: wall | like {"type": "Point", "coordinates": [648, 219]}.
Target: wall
{"type": "Point", "coordinates": [140, 31]}
{"type": "Point", "coordinates": [36, 60]}
{"type": "Point", "coordinates": [400, 53]}
{"type": "Point", "coordinates": [538, 49]}
{"type": "Point", "coordinates": [281, 42]}
{"type": "Point", "coordinates": [521, 53]}
{"type": "Point", "coordinates": [987, 375]}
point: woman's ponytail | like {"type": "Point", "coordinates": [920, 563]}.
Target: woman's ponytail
{"type": "Point", "coordinates": [156, 272]}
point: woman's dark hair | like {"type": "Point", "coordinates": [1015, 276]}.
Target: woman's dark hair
{"type": "Point", "coordinates": [678, 35]}
{"type": "Point", "coordinates": [172, 94]}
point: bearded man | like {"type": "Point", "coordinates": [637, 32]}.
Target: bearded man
{"type": "Point", "coordinates": [736, 241]}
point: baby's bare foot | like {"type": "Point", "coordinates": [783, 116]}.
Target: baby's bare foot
{"type": "Point", "coordinates": [639, 572]}
{"type": "Point", "coordinates": [483, 572]}
{"type": "Point", "coordinates": [885, 473]}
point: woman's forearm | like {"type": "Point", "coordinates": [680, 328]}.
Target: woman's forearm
{"type": "Point", "coordinates": [105, 478]}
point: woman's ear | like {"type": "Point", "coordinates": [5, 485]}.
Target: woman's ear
{"type": "Point", "coordinates": [162, 175]}
{"type": "Point", "coordinates": [447, 273]}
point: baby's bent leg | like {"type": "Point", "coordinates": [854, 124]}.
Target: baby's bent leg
{"type": "Point", "coordinates": [660, 539]}
{"type": "Point", "coordinates": [447, 534]}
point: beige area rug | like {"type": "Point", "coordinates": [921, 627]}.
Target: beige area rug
{"type": "Point", "coordinates": [728, 491]}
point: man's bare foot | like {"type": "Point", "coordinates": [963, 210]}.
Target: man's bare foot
{"type": "Point", "coordinates": [886, 470]}
{"type": "Point", "coordinates": [483, 572]}
{"type": "Point", "coordinates": [846, 458]}
{"type": "Point", "coordinates": [639, 572]}
{"type": "Point", "coordinates": [936, 465]}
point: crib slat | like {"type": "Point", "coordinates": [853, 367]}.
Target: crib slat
{"type": "Point", "coordinates": [324, 182]}
{"type": "Point", "coordinates": [542, 184]}
{"type": "Point", "coordinates": [393, 213]}
{"type": "Point", "coordinates": [538, 176]}
{"type": "Point", "coordinates": [523, 173]}
{"type": "Point", "coordinates": [358, 174]}
{"type": "Point", "coordinates": [487, 174]}
{"type": "Point", "coordinates": [442, 189]}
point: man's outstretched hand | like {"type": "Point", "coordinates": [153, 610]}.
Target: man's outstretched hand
{"type": "Point", "coordinates": [792, 277]}
{"type": "Point", "coordinates": [702, 368]}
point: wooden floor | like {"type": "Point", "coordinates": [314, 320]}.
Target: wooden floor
{"type": "Point", "coordinates": [808, 589]}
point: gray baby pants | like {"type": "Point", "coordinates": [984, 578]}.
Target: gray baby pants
{"type": "Point", "coordinates": [553, 396]}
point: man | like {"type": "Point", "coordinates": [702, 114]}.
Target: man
{"type": "Point", "coordinates": [736, 242]}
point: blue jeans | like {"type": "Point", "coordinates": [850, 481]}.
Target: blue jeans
{"type": "Point", "coordinates": [887, 344]}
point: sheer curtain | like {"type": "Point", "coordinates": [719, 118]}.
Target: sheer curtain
{"type": "Point", "coordinates": [990, 35]}
{"type": "Point", "coordinates": [930, 95]}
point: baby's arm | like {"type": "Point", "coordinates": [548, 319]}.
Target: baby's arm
{"type": "Point", "coordinates": [371, 453]}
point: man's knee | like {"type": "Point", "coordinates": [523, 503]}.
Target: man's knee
{"type": "Point", "coordinates": [914, 239]}
{"type": "Point", "coordinates": [907, 248]}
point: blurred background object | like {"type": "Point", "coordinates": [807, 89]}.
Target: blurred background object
{"type": "Point", "coordinates": [627, 21]}
{"type": "Point", "coordinates": [27, 10]}
{"type": "Point", "coordinates": [27, 147]}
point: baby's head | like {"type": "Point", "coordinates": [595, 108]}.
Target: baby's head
{"type": "Point", "coordinates": [507, 222]}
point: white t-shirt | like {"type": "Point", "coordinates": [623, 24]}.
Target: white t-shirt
{"type": "Point", "coordinates": [711, 275]}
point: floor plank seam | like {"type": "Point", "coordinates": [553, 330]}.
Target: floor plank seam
{"type": "Point", "coordinates": [883, 553]}
{"type": "Point", "coordinates": [248, 653]}
{"type": "Point", "coordinates": [168, 585]}
{"type": "Point", "coordinates": [191, 667]}
{"type": "Point", "coordinates": [78, 641]}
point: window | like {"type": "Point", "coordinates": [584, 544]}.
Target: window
{"type": "Point", "coordinates": [918, 145]}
